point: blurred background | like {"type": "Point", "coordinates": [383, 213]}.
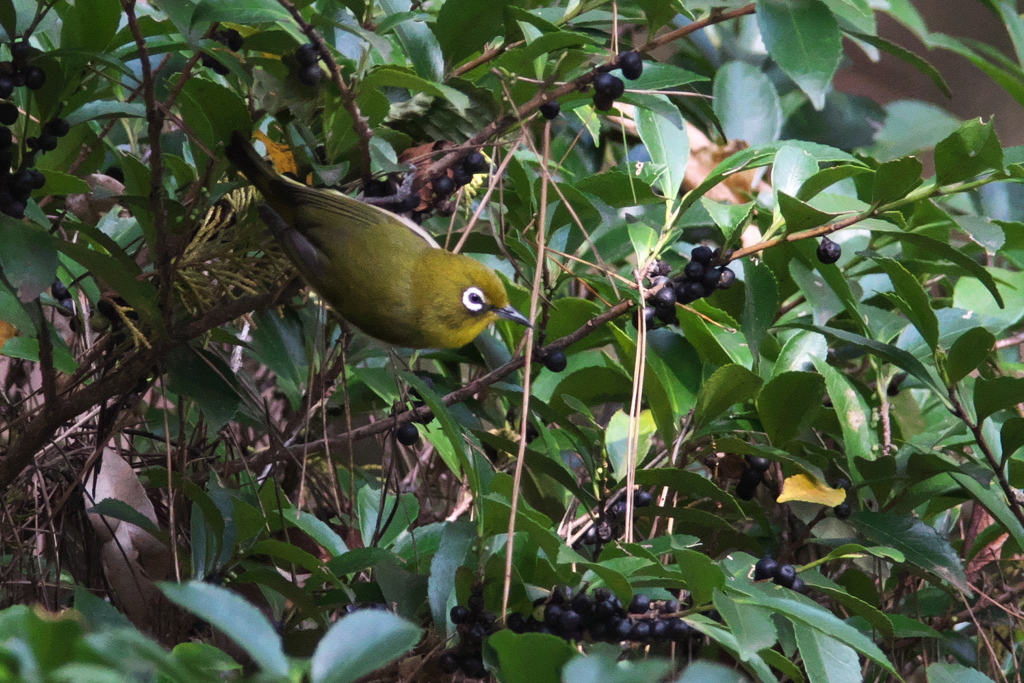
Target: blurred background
{"type": "Point", "coordinates": [974, 93]}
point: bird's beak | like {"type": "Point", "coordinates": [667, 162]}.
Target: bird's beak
{"type": "Point", "coordinates": [509, 313]}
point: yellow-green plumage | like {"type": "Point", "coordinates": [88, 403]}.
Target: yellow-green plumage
{"type": "Point", "coordinates": [379, 271]}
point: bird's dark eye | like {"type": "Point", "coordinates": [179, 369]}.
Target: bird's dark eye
{"type": "Point", "coordinates": [473, 299]}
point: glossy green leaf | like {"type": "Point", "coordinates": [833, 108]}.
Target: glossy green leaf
{"type": "Point", "coordinates": [788, 404]}
{"type": "Point", "coordinates": [206, 379]}
{"type": "Point", "coordinates": [746, 103]}
{"type": "Point", "coordinates": [913, 300]}
{"type": "Point", "coordinates": [1000, 393]}
{"type": "Point", "coordinates": [361, 643]}
{"type": "Point", "coordinates": [826, 659]}
{"type": "Point", "coordinates": [752, 625]}
{"type": "Point", "coordinates": [710, 672]}
{"type": "Point", "coordinates": [528, 657]}
{"type": "Point", "coordinates": [911, 58]}
{"type": "Point", "coordinates": [456, 540]}
{"type": "Point", "coordinates": [993, 500]}
{"type": "Point", "coordinates": [853, 414]}
{"type": "Point", "coordinates": [800, 215]}
{"type": "Point", "coordinates": [894, 179]}
{"type": "Point", "coordinates": [730, 218]}
{"type": "Point", "coordinates": [970, 151]}
{"type": "Point", "coordinates": [948, 672]}
{"type": "Point", "coordinates": [616, 440]}
{"type": "Point", "coordinates": [803, 37]}
{"type": "Point", "coordinates": [28, 257]}
{"type": "Point", "coordinates": [729, 385]}
{"type": "Point", "coordinates": [984, 232]}
{"type": "Point", "coordinates": [968, 352]}
{"type": "Point", "coordinates": [239, 620]}
{"type": "Point", "coordinates": [465, 26]}
{"type": "Point", "coordinates": [920, 543]}
{"type": "Point", "coordinates": [759, 306]}
{"type": "Point", "coordinates": [667, 142]}
{"type": "Point", "coordinates": [604, 667]}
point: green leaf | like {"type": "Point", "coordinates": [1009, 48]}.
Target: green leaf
{"type": "Point", "coordinates": [602, 666]}
{"type": "Point", "coordinates": [90, 26]}
{"type": "Point", "coordinates": [945, 251]}
{"type": "Point", "coordinates": [752, 625]}
{"type": "Point", "coordinates": [616, 440]}
{"type": "Point", "coordinates": [968, 352]}
{"type": "Point", "coordinates": [911, 58]}
{"type": "Point", "coordinates": [530, 657]}
{"type": "Point", "coordinates": [920, 543]}
{"type": "Point", "coordinates": [970, 151]}
{"type": "Point", "coordinates": [28, 257]}
{"type": "Point", "coordinates": [361, 643]}
{"type": "Point", "coordinates": [746, 103]}
{"type": "Point", "coordinates": [418, 41]}
{"type": "Point", "coordinates": [206, 379]}
{"type": "Point", "coordinates": [887, 352]}
{"type": "Point", "coordinates": [826, 659]}
{"type": "Point", "coordinates": [703, 575]}
{"type": "Point", "coordinates": [788, 404]}
{"type": "Point", "coordinates": [759, 307]}
{"type": "Point", "coordinates": [894, 179]}
{"type": "Point", "coordinates": [463, 27]}
{"type": "Point", "coordinates": [984, 232]}
{"type": "Point", "coordinates": [993, 500]}
{"type": "Point", "coordinates": [1011, 436]}
{"type": "Point", "coordinates": [456, 540]}
{"type": "Point", "coordinates": [729, 385]}
{"type": "Point", "coordinates": [815, 616]}
{"type": "Point", "coordinates": [913, 300]}
{"type": "Point", "coordinates": [710, 672]}
{"type": "Point", "coordinates": [945, 672]}
{"type": "Point", "coordinates": [826, 178]}
{"type": "Point", "coordinates": [730, 218]}
{"type": "Point", "coordinates": [853, 414]}
{"type": "Point", "coordinates": [667, 143]}
{"type": "Point", "coordinates": [254, 12]}
{"type": "Point", "coordinates": [791, 169]}
{"type": "Point", "coordinates": [992, 395]}
{"type": "Point", "coordinates": [239, 620]}
{"type": "Point", "coordinates": [803, 37]}
{"type": "Point", "coordinates": [801, 215]}
{"type": "Point", "coordinates": [401, 77]}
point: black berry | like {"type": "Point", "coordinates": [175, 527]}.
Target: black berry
{"type": "Point", "coordinates": [459, 614]}
{"type": "Point", "coordinates": [765, 568]}
{"type": "Point", "coordinates": [443, 186]}
{"type": "Point", "coordinates": [758, 463]}
{"type": "Point", "coordinates": [6, 86]}
{"type": "Point", "coordinates": [642, 499]}
{"type": "Point", "coordinates": [311, 75]}
{"type": "Point", "coordinates": [726, 278]}
{"type": "Point", "coordinates": [640, 604]}
{"type": "Point", "coordinates": [8, 113]}
{"type": "Point", "coordinates": [747, 486]}
{"type": "Point", "coordinates": [232, 39]}
{"type": "Point", "coordinates": [632, 65]}
{"type": "Point", "coordinates": [47, 142]}
{"type": "Point", "coordinates": [208, 61]}
{"type": "Point", "coordinates": [785, 575]}
{"type": "Point", "coordinates": [609, 86]}
{"type": "Point", "coordinates": [550, 110]}
{"type": "Point", "coordinates": [649, 313]}
{"type": "Point", "coordinates": [407, 434]}
{"type": "Point", "coordinates": [828, 251]}
{"type": "Point", "coordinates": [665, 297]}
{"type": "Point", "coordinates": [306, 55]}
{"type": "Point", "coordinates": [641, 632]}
{"type": "Point", "coordinates": [843, 510]}
{"type": "Point", "coordinates": [20, 50]}
{"type": "Point", "coordinates": [555, 361]}
{"type": "Point", "coordinates": [57, 127]}
{"type": "Point", "coordinates": [603, 102]}
{"type": "Point", "coordinates": [701, 254]}
{"type": "Point", "coordinates": [460, 176]}
{"type": "Point", "coordinates": [477, 163]}
{"type": "Point", "coordinates": [449, 662]}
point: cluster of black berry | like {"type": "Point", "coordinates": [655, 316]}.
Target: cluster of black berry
{"type": "Point", "coordinates": [608, 88]}
{"type": "Point", "coordinates": [473, 624]}
{"type": "Point", "coordinates": [701, 277]}
{"type": "Point", "coordinates": [19, 71]}
{"type": "Point", "coordinates": [828, 251]}
{"type": "Point", "coordinates": [601, 617]}
{"type": "Point", "coordinates": [16, 185]}
{"type": "Point", "coordinates": [752, 476]}
{"type": "Point", "coordinates": [310, 72]}
{"type": "Point", "coordinates": [781, 574]}
{"type": "Point", "coordinates": [843, 510]}
{"type": "Point", "coordinates": [612, 523]}
{"type": "Point", "coordinates": [229, 38]}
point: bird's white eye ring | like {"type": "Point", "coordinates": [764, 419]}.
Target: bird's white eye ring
{"type": "Point", "coordinates": [473, 299]}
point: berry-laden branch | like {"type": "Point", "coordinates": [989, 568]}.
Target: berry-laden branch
{"type": "Point", "coordinates": [360, 124]}
{"type": "Point", "coordinates": [502, 125]}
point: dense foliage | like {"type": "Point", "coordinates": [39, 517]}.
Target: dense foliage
{"type": "Point", "coordinates": [767, 425]}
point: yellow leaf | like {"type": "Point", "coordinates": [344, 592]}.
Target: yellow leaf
{"type": "Point", "coordinates": [280, 154]}
{"type": "Point", "coordinates": [809, 490]}
{"type": "Point", "coordinates": [7, 331]}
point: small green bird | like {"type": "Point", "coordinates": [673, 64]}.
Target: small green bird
{"type": "Point", "coordinates": [378, 270]}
